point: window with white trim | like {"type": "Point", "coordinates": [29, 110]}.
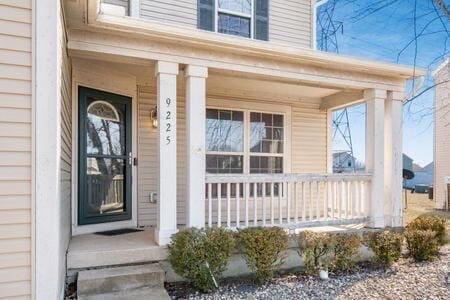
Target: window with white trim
{"type": "Point", "coordinates": [245, 18]}
{"type": "Point", "coordinates": [229, 151]}
{"type": "Point", "coordinates": [235, 17]}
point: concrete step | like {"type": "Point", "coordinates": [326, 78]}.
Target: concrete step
{"type": "Point", "coordinates": [119, 279]}
{"type": "Point", "coordinates": [93, 250]}
{"type": "Point", "coordinates": [141, 293]}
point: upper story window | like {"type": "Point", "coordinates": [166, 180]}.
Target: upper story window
{"type": "Point", "coordinates": [246, 18]}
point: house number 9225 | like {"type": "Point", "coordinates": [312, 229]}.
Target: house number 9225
{"type": "Point", "coordinates": [168, 121]}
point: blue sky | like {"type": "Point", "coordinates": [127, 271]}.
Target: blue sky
{"type": "Point", "coordinates": [380, 34]}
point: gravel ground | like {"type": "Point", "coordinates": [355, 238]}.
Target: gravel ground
{"type": "Point", "coordinates": [405, 280]}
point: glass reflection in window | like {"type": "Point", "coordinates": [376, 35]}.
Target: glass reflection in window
{"type": "Point", "coordinates": [224, 130]}
{"type": "Point", "coordinates": [105, 133]}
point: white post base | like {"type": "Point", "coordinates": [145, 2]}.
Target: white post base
{"type": "Point", "coordinates": [164, 237]}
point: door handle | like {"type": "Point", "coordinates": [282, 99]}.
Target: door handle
{"type": "Point", "coordinates": [130, 159]}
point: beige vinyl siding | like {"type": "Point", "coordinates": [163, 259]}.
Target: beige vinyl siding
{"type": "Point", "coordinates": [442, 136]}
{"type": "Point", "coordinates": [309, 138]}
{"type": "Point", "coordinates": [15, 149]}
{"type": "Point", "coordinates": [290, 21]}
{"type": "Point", "coordinates": [65, 183]}
{"type": "Point", "coordinates": [308, 147]}
{"type": "Point", "coordinates": [181, 12]}
{"type": "Point", "coordinates": [148, 157]}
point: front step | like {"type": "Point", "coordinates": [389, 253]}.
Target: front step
{"type": "Point", "coordinates": [142, 293]}
{"type": "Point", "coordinates": [120, 282]}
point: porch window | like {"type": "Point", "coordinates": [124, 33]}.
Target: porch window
{"type": "Point", "coordinates": [266, 143]}
{"type": "Point", "coordinates": [229, 151]}
{"type": "Point", "coordinates": [224, 141]}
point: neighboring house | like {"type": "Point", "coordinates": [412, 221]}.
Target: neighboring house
{"type": "Point", "coordinates": [126, 114]}
{"type": "Point", "coordinates": [407, 162]}
{"type": "Point", "coordinates": [422, 176]}
{"type": "Point", "coordinates": [442, 136]}
{"type": "Point", "coordinates": [344, 162]}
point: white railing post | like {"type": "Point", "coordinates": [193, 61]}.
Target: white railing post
{"type": "Point", "coordinates": [195, 150]}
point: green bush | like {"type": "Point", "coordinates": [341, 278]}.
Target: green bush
{"type": "Point", "coordinates": [314, 248]}
{"type": "Point", "coordinates": [431, 222]}
{"type": "Point", "coordinates": [422, 244]}
{"type": "Point", "coordinates": [263, 249]}
{"type": "Point", "coordinates": [345, 251]}
{"type": "Point", "coordinates": [198, 255]}
{"type": "Point", "coordinates": [386, 245]}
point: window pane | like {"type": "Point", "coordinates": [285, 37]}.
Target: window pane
{"type": "Point", "coordinates": [234, 25]}
{"type": "Point", "coordinates": [241, 6]}
{"type": "Point", "coordinates": [222, 164]}
{"type": "Point", "coordinates": [266, 164]}
{"type": "Point", "coordinates": [266, 133]}
{"type": "Point", "coordinates": [105, 129]}
{"type": "Point", "coordinates": [224, 130]}
{"type": "Point", "coordinates": [105, 186]}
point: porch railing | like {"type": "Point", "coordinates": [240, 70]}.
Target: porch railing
{"type": "Point", "coordinates": [288, 200]}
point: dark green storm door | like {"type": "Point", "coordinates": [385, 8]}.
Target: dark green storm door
{"type": "Point", "coordinates": [105, 162]}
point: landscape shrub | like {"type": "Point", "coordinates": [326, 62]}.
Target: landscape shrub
{"type": "Point", "coordinates": [201, 256]}
{"type": "Point", "coordinates": [263, 249]}
{"type": "Point", "coordinates": [422, 244]}
{"type": "Point", "coordinates": [314, 248]}
{"type": "Point", "coordinates": [431, 222]}
{"type": "Point", "coordinates": [386, 245]}
{"type": "Point", "coordinates": [345, 248]}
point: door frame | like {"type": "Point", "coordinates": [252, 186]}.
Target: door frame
{"type": "Point", "coordinates": [86, 75]}
{"type": "Point", "coordinates": [84, 92]}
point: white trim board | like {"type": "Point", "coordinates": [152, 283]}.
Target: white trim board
{"type": "Point", "coordinates": [47, 97]}
{"type": "Point", "coordinates": [85, 73]}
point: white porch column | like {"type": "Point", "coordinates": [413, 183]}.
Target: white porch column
{"type": "Point", "coordinates": [393, 205]}
{"type": "Point", "coordinates": [375, 100]}
{"type": "Point", "coordinates": [166, 73]}
{"type": "Point", "coordinates": [195, 127]}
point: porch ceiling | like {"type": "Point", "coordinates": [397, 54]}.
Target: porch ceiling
{"type": "Point", "coordinates": [245, 85]}
{"type": "Point", "coordinates": [240, 85]}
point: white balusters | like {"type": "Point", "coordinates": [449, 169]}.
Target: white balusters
{"type": "Point", "coordinates": [310, 201]}
{"type": "Point", "coordinates": [288, 198]}
{"type": "Point", "coordinates": [263, 187]}
{"type": "Point", "coordinates": [296, 202]}
{"type": "Point", "coordinates": [285, 199]}
{"type": "Point", "coordinates": [280, 209]}
{"type": "Point", "coordinates": [272, 205]}
{"type": "Point", "coordinates": [255, 204]}
{"type": "Point", "coordinates": [238, 199]}
{"type": "Point", "coordinates": [247, 192]}
{"type": "Point", "coordinates": [228, 204]}
{"type": "Point", "coordinates": [317, 200]}
{"type": "Point", "coordinates": [210, 204]}
{"type": "Point", "coordinates": [303, 202]}
{"type": "Point", "coordinates": [219, 205]}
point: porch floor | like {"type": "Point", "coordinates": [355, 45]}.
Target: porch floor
{"type": "Point", "coordinates": [95, 250]}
